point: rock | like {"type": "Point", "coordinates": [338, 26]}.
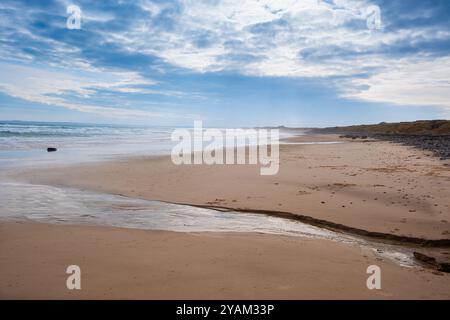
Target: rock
{"type": "Point", "coordinates": [444, 267]}
{"type": "Point", "coordinates": [438, 145]}
{"type": "Point", "coordinates": [50, 149]}
{"type": "Point", "coordinates": [440, 266]}
{"type": "Point", "coordinates": [425, 259]}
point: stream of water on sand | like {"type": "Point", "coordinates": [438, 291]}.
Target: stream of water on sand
{"type": "Point", "coordinates": [42, 203]}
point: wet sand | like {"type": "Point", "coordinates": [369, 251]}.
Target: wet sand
{"type": "Point", "coordinates": [137, 264]}
{"type": "Point", "coordinates": [375, 186]}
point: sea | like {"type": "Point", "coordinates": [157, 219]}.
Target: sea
{"type": "Point", "coordinates": [25, 143]}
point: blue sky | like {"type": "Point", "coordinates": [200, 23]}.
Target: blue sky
{"type": "Point", "coordinates": [228, 63]}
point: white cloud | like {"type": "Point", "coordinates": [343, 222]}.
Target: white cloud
{"type": "Point", "coordinates": [309, 24]}
{"type": "Point", "coordinates": [312, 26]}
{"type": "Point", "coordinates": [49, 87]}
{"type": "Point", "coordinates": [407, 83]}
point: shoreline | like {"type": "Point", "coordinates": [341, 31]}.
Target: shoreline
{"type": "Point", "coordinates": [405, 216]}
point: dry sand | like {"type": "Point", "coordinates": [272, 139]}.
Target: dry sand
{"type": "Point", "coordinates": [125, 263]}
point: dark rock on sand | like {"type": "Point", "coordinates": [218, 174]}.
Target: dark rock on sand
{"type": "Point", "coordinates": [425, 259]}
{"type": "Point", "coordinates": [439, 145]}
{"type": "Point", "coordinates": [51, 149]}
{"type": "Point", "coordinates": [429, 135]}
{"type": "Point", "coordinates": [431, 261]}
{"type": "Point", "coordinates": [444, 267]}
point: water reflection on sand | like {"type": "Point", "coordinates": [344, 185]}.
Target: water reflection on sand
{"type": "Point", "coordinates": [21, 201]}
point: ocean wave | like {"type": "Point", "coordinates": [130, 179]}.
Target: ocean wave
{"type": "Point", "coordinates": [35, 134]}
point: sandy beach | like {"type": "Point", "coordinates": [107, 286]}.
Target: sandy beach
{"type": "Point", "coordinates": [122, 126]}
{"type": "Point", "coordinates": [376, 186]}
{"type": "Point", "coordinates": [137, 264]}
{"type": "Point", "coordinates": [373, 185]}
